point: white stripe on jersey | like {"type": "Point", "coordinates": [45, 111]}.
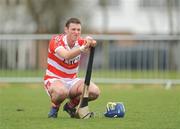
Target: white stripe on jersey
{"type": "Point", "coordinates": [58, 48]}
{"type": "Point", "coordinates": [76, 45]}
{"type": "Point", "coordinates": [49, 73]}
{"type": "Point", "coordinates": [65, 42]}
{"type": "Point", "coordinates": [56, 65]}
{"type": "Point", "coordinates": [57, 55]}
{"type": "Point", "coordinates": [49, 50]}
{"type": "Point", "coordinates": [75, 58]}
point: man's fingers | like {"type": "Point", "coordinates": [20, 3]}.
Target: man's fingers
{"type": "Point", "coordinates": [90, 43]}
{"type": "Point", "coordinates": [94, 43]}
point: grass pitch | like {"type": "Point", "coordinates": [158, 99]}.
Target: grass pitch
{"type": "Point", "coordinates": [25, 106]}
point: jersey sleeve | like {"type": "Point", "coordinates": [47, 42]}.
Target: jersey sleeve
{"type": "Point", "coordinates": [81, 41]}
{"type": "Point", "coordinates": [55, 43]}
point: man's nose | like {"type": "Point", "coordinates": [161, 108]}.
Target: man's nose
{"type": "Point", "coordinates": [76, 31]}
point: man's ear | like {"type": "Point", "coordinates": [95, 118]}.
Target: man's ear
{"type": "Point", "coordinates": [65, 29]}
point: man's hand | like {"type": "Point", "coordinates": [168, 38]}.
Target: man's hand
{"type": "Point", "coordinates": [90, 41]}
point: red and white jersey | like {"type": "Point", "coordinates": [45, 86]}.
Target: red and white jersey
{"type": "Point", "coordinates": [58, 67]}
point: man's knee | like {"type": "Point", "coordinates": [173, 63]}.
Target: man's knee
{"type": "Point", "coordinates": [59, 93]}
{"type": "Point", "coordinates": [94, 93]}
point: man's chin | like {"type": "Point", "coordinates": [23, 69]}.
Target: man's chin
{"type": "Point", "coordinates": [76, 38]}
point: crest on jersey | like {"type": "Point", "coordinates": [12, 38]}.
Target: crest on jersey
{"type": "Point", "coordinates": [57, 39]}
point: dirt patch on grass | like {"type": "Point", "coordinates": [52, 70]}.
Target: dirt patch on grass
{"type": "Point", "coordinates": [2, 85]}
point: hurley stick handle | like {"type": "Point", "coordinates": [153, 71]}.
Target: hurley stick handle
{"type": "Point", "coordinates": [89, 67]}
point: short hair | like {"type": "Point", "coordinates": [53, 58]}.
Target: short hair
{"type": "Point", "coordinates": [72, 20]}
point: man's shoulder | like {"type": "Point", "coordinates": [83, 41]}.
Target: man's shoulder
{"type": "Point", "coordinates": [58, 37]}
{"type": "Point", "coordinates": [56, 41]}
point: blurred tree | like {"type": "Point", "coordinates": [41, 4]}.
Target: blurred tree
{"type": "Point", "coordinates": [42, 16]}
{"type": "Point", "coordinates": [48, 14]}
{"type": "Point", "coordinates": [173, 8]}
{"type": "Point", "coordinates": [170, 15]}
{"type": "Point", "coordinates": [104, 5]}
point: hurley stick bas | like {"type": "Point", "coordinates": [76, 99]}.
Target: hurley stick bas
{"type": "Point", "coordinates": [82, 111]}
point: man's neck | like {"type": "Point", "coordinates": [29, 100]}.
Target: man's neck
{"type": "Point", "coordinates": [70, 42]}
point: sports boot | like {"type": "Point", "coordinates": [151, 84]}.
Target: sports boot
{"type": "Point", "coordinates": [70, 111]}
{"type": "Point", "coordinates": [53, 113]}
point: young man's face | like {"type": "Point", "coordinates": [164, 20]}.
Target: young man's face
{"type": "Point", "coordinates": [73, 31]}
